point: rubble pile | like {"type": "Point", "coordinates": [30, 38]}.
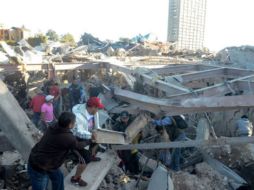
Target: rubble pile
{"type": "Point", "coordinates": [241, 57]}
{"type": "Point", "coordinates": [92, 48]}
{"type": "Point", "coordinates": [13, 172]}
{"type": "Point", "coordinates": [113, 179]}
{"type": "Point", "coordinates": [202, 177]}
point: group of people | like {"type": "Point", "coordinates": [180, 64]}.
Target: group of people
{"type": "Point", "coordinates": [43, 110]}
{"type": "Point", "coordinates": [74, 133]}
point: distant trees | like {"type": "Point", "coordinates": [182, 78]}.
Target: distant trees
{"type": "Point", "coordinates": [52, 35]}
{"type": "Point", "coordinates": [68, 38]}
{"type": "Point", "coordinates": [37, 40]}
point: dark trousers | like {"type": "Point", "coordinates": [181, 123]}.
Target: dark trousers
{"type": "Point", "coordinates": [36, 118]}
{"type": "Point", "coordinates": [130, 161]}
{"type": "Point", "coordinates": [39, 180]}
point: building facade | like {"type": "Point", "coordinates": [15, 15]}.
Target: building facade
{"type": "Point", "coordinates": [14, 34]}
{"type": "Point", "coordinates": [186, 23]}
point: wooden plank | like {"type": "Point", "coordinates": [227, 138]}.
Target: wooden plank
{"type": "Point", "coordinates": [93, 174]}
{"type": "Point", "coordinates": [15, 124]}
{"type": "Point", "coordinates": [135, 127]}
{"type": "Point", "coordinates": [222, 141]}
{"type": "Point", "coordinates": [104, 136]}
{"type": "Point", "coordinates": [184, 106]}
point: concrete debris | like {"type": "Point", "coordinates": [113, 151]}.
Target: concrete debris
{"type": "Point", "coordinates": [241, 57]}
{"type": "Point", "coordinates": [142, 84]}
{"type": "Point", "coordinates": [3, 58]}
{"type": "Point", "coordinates": [203, 177]}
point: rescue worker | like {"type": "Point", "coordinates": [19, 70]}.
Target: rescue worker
{"type": "Point", "coordinates": [50, 152]}
{"type": "Point", "coordinates": [47, 113]}
{"type": "Point", "coordinates": [129, 157]}
{"type": "Point", "coordinates": [87, 121]}
{"type": "Point", "coordinates": [175, 127]}
{"type": "Point", "coordinates": [244, 127]}
{"type": "Point", "coordinates": [37, 101]}
{"type": "Point", "coordinates": [76, 93]}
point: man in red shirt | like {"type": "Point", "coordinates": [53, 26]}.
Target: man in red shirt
{"type": "Point", "coordinates": [55, 91]}
{"type": "Point", "coordinates": [36, 104]}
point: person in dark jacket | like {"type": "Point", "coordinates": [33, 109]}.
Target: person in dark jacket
{"type": "Point", "coordinates": [130, 161]}
{"type": "Point", "coordinates": [75, 91]}
{"type": "Point", "coordinates": [49, 154]}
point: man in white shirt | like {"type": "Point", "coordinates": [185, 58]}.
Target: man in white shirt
{"type": "Point", "coordinates": [87, 121]}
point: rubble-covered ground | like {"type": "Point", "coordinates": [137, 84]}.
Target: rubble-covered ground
{"type": "Point", "coordinates": [202, 177]}
{"type": "Point", "coordinates": [142, 50]}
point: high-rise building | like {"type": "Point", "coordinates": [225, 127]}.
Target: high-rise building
{"type": "Point", "coordinates": [186, 23]}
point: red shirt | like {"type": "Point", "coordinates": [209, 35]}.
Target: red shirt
{"type": "Point", "coordinates": [54, 91]}
{"type": "Point", "coordinates": [37, 102]}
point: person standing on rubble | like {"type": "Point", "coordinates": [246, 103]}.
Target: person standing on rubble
{"type": "Point", "coordinates": [55, 91]}
{"type": "Point", "coordinates": [37, 101]}
{"type": "Point", "coordinates": [244, 127]}
{"type": "Point", "coordinates": [164, 154]}
{"type": "Point", "coordinates": [49, 154]}
{"type": "Point", "coordinates": [47, 113]}
{"type": "Point", "coordinates": [129, 157]}
{"type": "Point", "coordinates": [76, 93]}
{"type": "Point", "coordinates": [87, 121]}
{"type": "Point", "coordinates": [175, 127]}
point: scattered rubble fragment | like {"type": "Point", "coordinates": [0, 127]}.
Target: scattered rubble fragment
{"type": "Point", "coordinates": [201, 177]}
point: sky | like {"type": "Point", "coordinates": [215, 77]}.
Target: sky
{"type": "Point", "coordinates": [229, 22]}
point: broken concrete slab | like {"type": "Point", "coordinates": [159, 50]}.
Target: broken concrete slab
{"type": "Point", "coordinates": [160, 180]}
{"type": "Point", "coordinates": [17, 127]}
{"type": "Point", "coordinates": [94, 173]}
{"type": "Point", "coordinates": [185, 106]}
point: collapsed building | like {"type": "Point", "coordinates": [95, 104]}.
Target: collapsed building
{"type": "Point", "coordinates": [211, 97]}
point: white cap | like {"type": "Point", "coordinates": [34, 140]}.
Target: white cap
{"type": "Point", "coordinates": [49, 97]}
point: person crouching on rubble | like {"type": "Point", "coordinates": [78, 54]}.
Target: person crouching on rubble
{"type": "Point", "coordinates": [129, 157]}
{"type": "Point", "coordinates": [175, 127]}
{"type": "Point", "coordinates": [50, 152]}
{"type": "Point", "coordinates": [244, 127]}
{"type": "Point", "coordinates": [87, 121]}
{"type": "Point", "coordinates": [47, 113]}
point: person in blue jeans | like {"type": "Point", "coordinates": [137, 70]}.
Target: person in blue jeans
{"type": "Point", "coordinates": [49, 153]}
{"type": "Point", "coordinates": [175, 127]}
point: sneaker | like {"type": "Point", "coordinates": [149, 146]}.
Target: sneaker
{"type": "Point", "coordinates": [78, 181]}
{"type": "Point", "coordinates": [95, 159]}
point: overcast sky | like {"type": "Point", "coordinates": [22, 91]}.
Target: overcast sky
{"type": "Point", "coordinates": [229, 22]}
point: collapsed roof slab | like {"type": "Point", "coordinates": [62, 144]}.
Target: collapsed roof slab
{"type": "Point", "coordinates": [182, 68]}
{"type": "Point", "coordinates": [192, 76]}
{"type": "Point", "coordinates": [222, 141]}
{"type": "Point", "coordinates": [220, 89]}
{"type": "Point", "coordinates": [164, 86]}
{"type": "Point", "coordinates": [15, 124]}
{"type": "Point", "coordinates": [185, 106]}
{"type": "Point", "coordinates": [6, 68]}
